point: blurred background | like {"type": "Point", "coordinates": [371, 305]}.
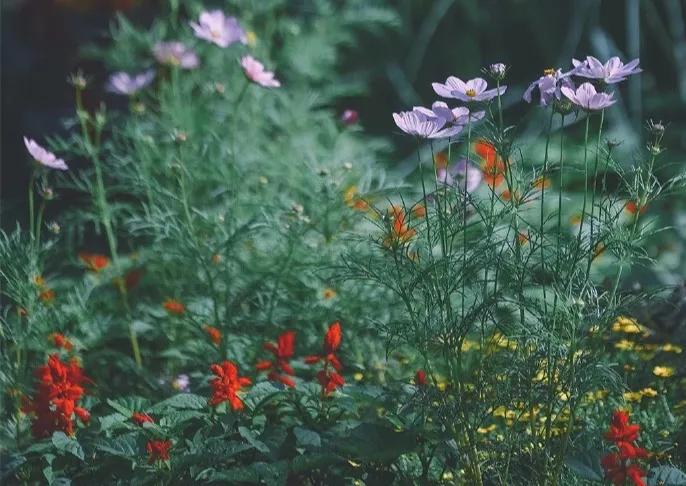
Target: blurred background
{"type": "Point", "coordinates": [380, 71]}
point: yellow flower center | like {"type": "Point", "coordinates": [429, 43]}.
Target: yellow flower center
{"type": "Point", "coordinates": [548, 72]}
{"type": "Point", "coordinates": [470, 92]}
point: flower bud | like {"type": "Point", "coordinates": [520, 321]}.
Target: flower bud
{"type": "Point", "coordinates": [78, 80]}
{"type": "Point", "coordinates": [655, 128]}
{"type": "Point", "coordinates": [54, 228]}
{"type": "Point", "coordinates": [563, 107]}
{"type": "Point", "coordinates": [497, 71]}
{"type": "Point", "coordinates": [349, 117]}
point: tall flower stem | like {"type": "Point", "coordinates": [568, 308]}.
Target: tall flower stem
{"type": "Point", "coordinates": [32, 229]}
{"type": "Point", "coordinates": [583, 208]}
{"type": "Point", "coordinates": [542, 219]}
{"type": "Point", "coordinates": [92, 143]}
{"type": "Point", "coordinates": [595, 177]}
{"type": "Point", "coordinates": [464, 218]}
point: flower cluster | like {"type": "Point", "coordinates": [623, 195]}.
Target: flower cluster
{"type": "Point", "coordinates": [329, 378]}
{"type": "Point", "coordinates": [55, 402]}
{"type": "Point", "coordinates": [555, 85]}
{"type": "Point", "coordinates": [399, 232]}
{"type": "Point", "coordinates": [279, 368]}
{"type": "Point", "coordinates": [158, 450]}
{"type": "Point", "coordinates": [621, 465]}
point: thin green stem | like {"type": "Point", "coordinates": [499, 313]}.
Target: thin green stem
{"type": "Point", "coordinates": [595, 177]}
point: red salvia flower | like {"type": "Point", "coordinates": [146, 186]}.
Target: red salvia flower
{"type": "Point", "coordinates": [330, 380]}
{"type": "Point", "coordinates": [94, 261]}
{"type": "Point", "coordinates": [60, 341]}
{"type": "Point", "coordinates": [420, 378]}
{"type": "Point", "coordinates": [279, 368]}
{"type": "Point", "coordinates": [620, 428]}
{"type": "Point", "coordinates": [226, 384]}
{"type": "Point", "coordinates": [214, 334]}
{"type": "Point", "coordinates": [141, 418]}
{"type": "Point", "coordinates": [174, 307]}
{"type": "Point", "coordinates": [621, 466]}
{"type": "Point", "coordinates": [55, 402]}
{"type": "Point", "coordinates": [158, 450]}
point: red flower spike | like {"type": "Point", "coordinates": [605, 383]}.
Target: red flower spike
{"type": "Point", "coordinates": [55, 402]}
{"type": "Point", "coordinates": [330, 380]}
{"type": "Point", "coordinates": [620, 429]}
{"type": "Point", "coordinates": [621, 466]}
{"type": "Point", "coordinates": [141, 418]}
{"type": "Point", "coordinates": [420, 378]}
{"type": "Point", "coordinates": [280, 367]}
{"type": "Point", "coordinates": [226, 385]}
{"type": "Point", "coordinates": [158, 450]}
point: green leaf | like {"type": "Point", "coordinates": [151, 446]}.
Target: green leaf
{"type": "Point", "coordinates": [112, 421]}
{"type": "Point", "coordinates": [182, 400]}
{"type": "Point", "coordinates": [68, 444]}
{"type": "Point", "coordinates": [248, 435]}
{"type": "Point", "coordinates": [377, 443]}
{"type": "Point", "coordinates": [306, 437]}
{"type": "Point", "coordinates": [122, 446]}
{"type": "Point", "coordinates": [256, 473]}
{"type": "Point", "coordinates": [666, 476]}
{"type": "Point", "coordinates": [586, 465]}
{"type": "Point", "coordinates": [10, 464]}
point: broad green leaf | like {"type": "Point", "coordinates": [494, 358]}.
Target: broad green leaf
{"type": "Point", "coordinates": [183, 400]}
{"type": "Point", "coordinates": [306, 437]}
{"type": "Point", "coordinates": [249, 435]}
{"type": "Point", "coordinates": [122, 446]}
{"type": "Point", "coordinates": [586, 465]}
{"type": "Point", "coordinates": [376, 443]}
{"type": "Point", "coordinates": [68, 444]}
{"type": "Point", "coordinates": [666, 476]}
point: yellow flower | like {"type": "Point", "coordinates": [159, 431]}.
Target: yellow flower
{"type": "Point", "coordinates": [486, 430]}
{"type": "Point", "coordinates": [671, 348]}
{"type": "Point", "coordinates": [633, 396]}
{"type": "Point", "coordinates": [358, 376]}
{"type": "Point", "coordinates": [598, 395]}
{"type": "Point", "coordinates": [625, 345]}
{"type": "Point", "coordinates": [649, 392]}
{"type": "Point", "coordinates": [663, 371]}
{"type": "Point", "coordinates": [251, 38]}
{"type": "Point", "coordinates": [626, 325]}
{"type": "Point", "coordinates": [468, 345]}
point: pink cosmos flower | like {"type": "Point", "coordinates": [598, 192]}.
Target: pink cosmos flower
{"type": "Point", "coordinates": [175, 54]}
{"type": "Point", "coordinates": [255, 72]}
{"type": "Point", "coordinates": [472, 90]}
{"type": "Point", "coordinates": [44, 157]}
{"type": "Point", "coordinates": [613, 71]}
{"type": "Point", "coordinates": [126, 84]}
{"type": "Point", "coordinates": [220, 29]}
{"type": "Point", "coordinates": [588, 98]}
{"type": "Point", "coordinates": [349, 117]}
{"type": "Point", "coordinates": [420, 125]}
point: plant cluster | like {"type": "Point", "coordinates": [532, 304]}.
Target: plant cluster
{"type": "Point", "coordinates": [167, 327]}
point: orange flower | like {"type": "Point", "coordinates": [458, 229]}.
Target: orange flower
{"type": "Point", "coordinates": [493, 166]}
{"type": "Point", "coordinates": [441, 160]}
{"type": "Point", "coordinates": [39, 281]}
{"type": "Point", "coordinates": [633, 207]}
{"type": "Point", "coordinates": [522, 238]}
{"type": "Point", "coordinates": [60, 341]}
{"type": "Point", "coordinates": [419, 211]}
{"type": "Point", "coordinates": [352, 200]}
{"type": "Point", "coordinates": [216, 258]}
{"type": "Point", "coordinates": [173, 306]}
{"type": "Point", "coordinates": [399, 232]}
{"type": "Point", "coordinates": [329, 293]}
{"type": "Point", "coordinates": [94, 261]}
{"type": "Point", "coordinates": [541, 182]}
{"type": "Point", "coordinates": [226, 384]}
{"type": "Point", "coordinates": [47, 295]}
{"type": "Point", "coordinates": [214, 334]}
